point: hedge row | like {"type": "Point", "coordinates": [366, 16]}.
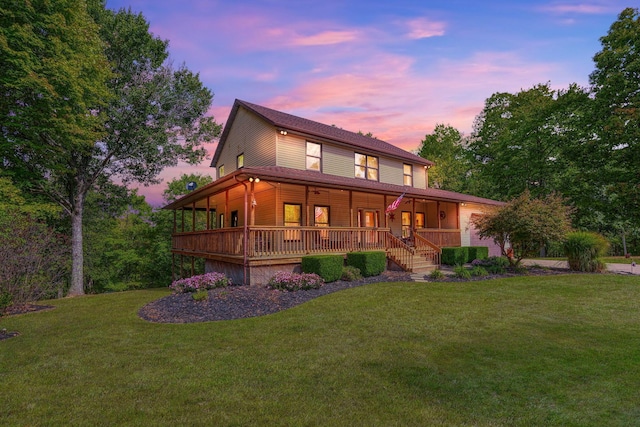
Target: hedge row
{"type": "Point", "coordinates": [464, 254]}
{"type": "Point", "coordinates": [329, 267]}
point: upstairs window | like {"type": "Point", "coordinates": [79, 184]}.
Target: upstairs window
{"type": "Point", "coordinates": [366, 167]}
{"type": "Point", "coordinates": [408, 174]}
{"type": "Point", "coordinates": [220, 171]}
{"type": "Point", "coordinates": [240, 161]}
{"type": "Point", "coordinates": [314, 156]}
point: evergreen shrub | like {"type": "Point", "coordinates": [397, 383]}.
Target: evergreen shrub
{"type": "Point", "coordinates": [371, 263]}
{"type": "Point", "coordinates": [455, 255]}
{"type": "Point", "coordinates": [329, 267]}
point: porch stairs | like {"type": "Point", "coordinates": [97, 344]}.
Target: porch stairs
{"type": "Point", "coordinates": [413, 259]}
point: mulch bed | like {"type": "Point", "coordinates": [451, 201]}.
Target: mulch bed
{"type": "Point", "coordinates": [238, 302]}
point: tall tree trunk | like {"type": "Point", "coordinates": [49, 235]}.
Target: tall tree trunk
{"type": "Point", "coordinates": [77, 254]}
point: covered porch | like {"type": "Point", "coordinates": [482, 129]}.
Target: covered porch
{"type": "Point", "coordinates": [252, 223]}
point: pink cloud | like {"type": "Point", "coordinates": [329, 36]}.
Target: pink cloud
{"type": "Point", "coordinates": [422, 28]}
{"type": "Point", "coordinates": [580, 8]}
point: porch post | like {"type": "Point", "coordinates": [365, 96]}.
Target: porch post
{"type": "Point", "coordinates": [386, 215]}
{"type": "Point", "coordinates": [351, 208]}
{"type": "Point", "coordinates": [208, 213]}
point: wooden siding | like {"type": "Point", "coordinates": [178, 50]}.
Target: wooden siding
{"type": "Point", "coordinates": [252, 136]}
{"type": "Point", "coordinates": [419, 180]}
{"type": "Point", "coordinates": [291, 152]}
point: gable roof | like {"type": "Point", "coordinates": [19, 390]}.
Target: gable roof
{"type": "Point", "coordinates": [306, 127]}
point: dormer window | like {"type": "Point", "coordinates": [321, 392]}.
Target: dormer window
{"type": "Point", "coordinates": [314, 156]}
{"type": "Point", "coordinates": [366, 167]}
{"type": "Point", "coordinates": [408, 174]}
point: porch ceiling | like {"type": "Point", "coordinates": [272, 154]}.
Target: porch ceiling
{"type": "Point", "coordinates": [311, 178]}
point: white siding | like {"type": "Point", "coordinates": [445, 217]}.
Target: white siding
{"type": "Point", "coordinates": [391, 171]}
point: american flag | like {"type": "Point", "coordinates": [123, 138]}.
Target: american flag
{"type": "Point", "coordinates": [393, 206]}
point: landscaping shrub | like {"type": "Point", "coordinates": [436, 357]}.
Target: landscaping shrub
{"type": "Point", "coordinates": [285, 281]}
{"type": "Point", "coordinates": [461, 272]}
{"type": "Point", "coordinates": [199, 283]}
{"type": "Point", "coordinates": [329, 267]}
{"type": "Point", "coordinates": [350, 273]}
{"type": "Point", "coordinates": [370, 263]}
{"type": "Point", "coordinates": [477, 252]}
{"type": "Point", "coordinates": [200, 295]}
{"type": "Point", "coordinates": [436, 275]}
{"type": "Point", "coordinates": [455, 256]}
{"type": "Point", "coordinates": [478, 271]}
{"type": "Point", "coordinates": [493, 265]}
{"type": "Point", "coordinates": [584, 249]}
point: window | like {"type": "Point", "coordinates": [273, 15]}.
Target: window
{"type": "Point", "coordinates": [321, 217]}
{"type": "Point", "coordinates": [292, 218]}
{"type": "Point", "coordinates": [234, 218]}
{"type": "Point", "coordinates": [240, 161]}
{"type": "Point", "coordinates": [314, 156]}
{"type": "Point", "coordinates": [366, 167]}
{"type": "Point", "coordinates": [221, 220]}
{"type": "Point", "coordinates": [406, 224]}
{"type": "Point", "coordinates": [419, 219]}
{"type": "Point", "coordinates": [408, 174]}
{"type": "Point", "coordinates": [220, 171]}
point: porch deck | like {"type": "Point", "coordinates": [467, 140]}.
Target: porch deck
{"type": "Point", "coordinates": [268, 244]}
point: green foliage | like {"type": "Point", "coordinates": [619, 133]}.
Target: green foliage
{"type": "Point", "coordinates": [461, 272]}
{"type": "Point", "coordinates": [493, 265]}
{"type": "Point", "coordinates": [370, 263]}
{"type": "Point", "coordinates": [200, 295]}
{"type": "Point", "coordinates": [584, 250]}
{"type": "Point", "coordinates": [445, 147]}
{"type": "Point", "coordinates": [437, 275]}
{"type": "Point", "coordinates": [329, 267]}
{"type": "Point", "coordinates": [455, 255]}
{"type": "Point", "coordinates": [477, 252]}
{"type": "Point", "coordinates": [6, 299]}
{"type": "Point", "coordinates": [526, 224]}
{"type": "Point", "coordinates": [519, 140]}
{"type": "Point", "coordinates": [350, 273]}
{"type": "Point", "coordinates": [177, 187]}
{"type": "Point", "coordinates": [478, 271]}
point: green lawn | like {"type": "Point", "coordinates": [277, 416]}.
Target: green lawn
{"type": "Point", "coordinates": [607, 260]}
{"type": "Point", "coordinates": [527, 351]}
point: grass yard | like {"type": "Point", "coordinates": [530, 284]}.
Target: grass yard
{"type": "Point", "coordinates": [526, 351]}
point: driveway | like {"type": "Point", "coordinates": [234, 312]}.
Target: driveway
{"type": "Point", "coordinates": [612, 268]}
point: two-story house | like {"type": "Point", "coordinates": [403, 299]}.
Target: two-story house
{"type": "Point", "coordinates": [287, 187]}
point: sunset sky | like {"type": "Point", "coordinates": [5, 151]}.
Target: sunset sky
{"type": "Point", "coordinates": [393, 68]}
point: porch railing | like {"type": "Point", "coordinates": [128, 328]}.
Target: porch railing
{"type": "Point", "coordinates": [268, 242]}
{"type": "Point", "coordinates": [440, 237]}
{"type": "Point", "coordinates": [427, 249]}
{"type": "Point", "coordinates": [400, 252]}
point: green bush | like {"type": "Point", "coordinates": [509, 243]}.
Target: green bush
{"type": "Point", "coordinates": [369, 263]}
{"type": "Point", "coordinates": [493, 265]}
{"type": "Point", "coordinates": [461, 272]}
{"type": "Point", "coordinates": [329, 267]}
{"type": "Point", "coordinates": [477, 252]}
{"type": "Point", "coordinates": [455, 256]}
{"type": "Point", "coordinates": [584, 249]}
{"type": "Point", "coordinates": [478, 271]}
{"type": "Point", "coordinates": [437, 275]}
{"type": "Point", "coordinates": [201, 295]}
{"type": "Point", "coordinates": [350, 273]}
{"type": "Point", "coordinates": [6, 299]}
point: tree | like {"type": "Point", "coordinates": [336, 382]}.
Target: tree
{"type": "Point", "coordinates": [518, 141]}
{"type": "Point", "coordinates": [446, 147]}
{"type": "Point", "coordinates": [177, 188]}
{"type": "Point", "coordinates": [616, 115]}
{"type": "Point", "coordinates": [152, 118]}
{"type": "Point", "coordinates": [525, 225]}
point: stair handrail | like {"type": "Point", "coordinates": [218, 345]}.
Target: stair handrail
{"type": "Point", "coordinates": [433, 252]}
{"type": "Point", "coordinates": [405, 260]}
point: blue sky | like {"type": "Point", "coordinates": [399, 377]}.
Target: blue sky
{"type": "Point", "coordinates": [393, 68]}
